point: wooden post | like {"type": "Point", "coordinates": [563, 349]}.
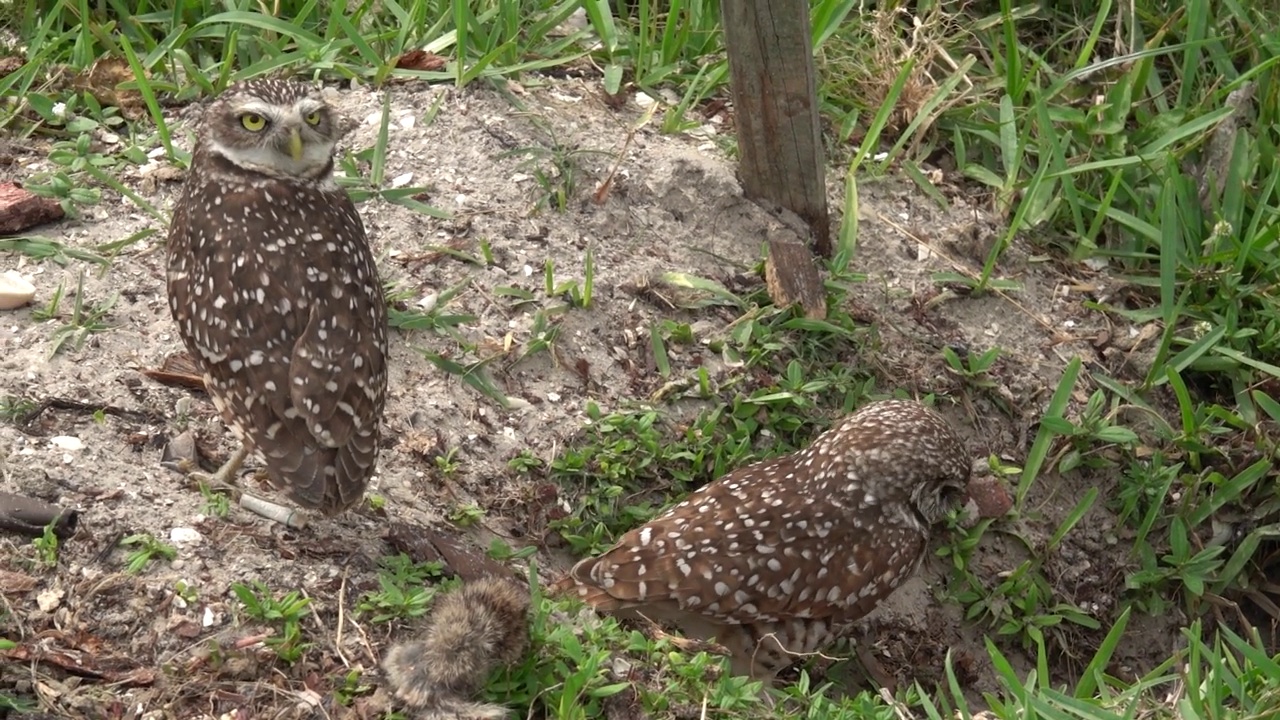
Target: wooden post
{"type": "Point", "coordinates": [779, 137]}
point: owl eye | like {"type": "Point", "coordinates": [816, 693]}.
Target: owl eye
{"type": "Point", "coordinates": [253, 122]}
{"type": "Point", "coordinates": [313, 118]}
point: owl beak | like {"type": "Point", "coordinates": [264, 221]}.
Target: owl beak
{"type": "Point", "coordinates": [295, 145]}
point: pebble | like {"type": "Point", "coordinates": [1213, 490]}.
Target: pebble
{"type": "Point", "coordinates": [15, 290]}
{"type": "Point", "coordinates": [185, 535]}
{"type": "Point", "coordinates": [66, 442]}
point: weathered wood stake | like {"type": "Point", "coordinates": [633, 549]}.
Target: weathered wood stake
{"type": "Point", "coordinates": [779, 137]}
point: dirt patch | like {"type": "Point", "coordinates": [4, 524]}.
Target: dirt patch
{"type": "Point", "coordinates": [673, 204]}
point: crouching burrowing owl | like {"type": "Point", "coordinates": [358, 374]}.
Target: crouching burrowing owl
{"type": "Point", "coordinates": [276, 294]}
{"type": "Point", "coordinates": [780, 558]}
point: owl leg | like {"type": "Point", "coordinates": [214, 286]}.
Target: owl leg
{"type": "Point", "coordinates": [224, 479]}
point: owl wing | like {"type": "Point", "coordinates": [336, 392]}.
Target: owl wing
{"type": "Point", "coordinates": [337, 371]}
{"type": "Point", "coordinates": [744, 550]}
{"type": "Point", "coordinates": [338, 366]}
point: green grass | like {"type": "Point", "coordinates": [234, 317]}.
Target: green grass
{"type": "Point", "coordinates": [1136, 137]}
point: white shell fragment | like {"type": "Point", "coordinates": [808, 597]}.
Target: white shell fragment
{"type": "Point", "coordinates": [15, 290]}
{"type": "Point", "coordinates": [67, 442]}
{"type": "Point", "coordinates": [185, 536]}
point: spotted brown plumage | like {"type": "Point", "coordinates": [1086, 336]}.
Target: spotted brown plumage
{"type": "Point", "coordinates": [780, 558]}
{"type": "Point", "coordinates": [276, 294]}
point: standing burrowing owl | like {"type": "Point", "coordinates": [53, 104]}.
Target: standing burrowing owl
{"type": "Point", "coordinates": [779, 558]}
{"type": "Point", "coordinates": [276, 294]}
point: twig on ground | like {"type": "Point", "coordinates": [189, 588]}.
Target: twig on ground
{"type": "Point", "coordinates": [29, 516]}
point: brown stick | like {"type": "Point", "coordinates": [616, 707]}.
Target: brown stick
{"type": "Point", "coordinates": [28, 516]}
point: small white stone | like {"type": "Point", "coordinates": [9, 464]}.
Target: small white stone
{"type": "Point", "coordinates": [401, 180]}
{"type": "Point", "coordinates": [66, 442]}
{"type": "Point", "coordinates": [15, 290]}
{"type": "Point", "coordinates": [207, 619]}
{"type": "Point", "coordinates": [428, 302]}
{"type": "Point", "coordinates": [185, 535]}
{"type": "Point", "coordinates": [553, 396]}
{"type": "Point", "coordinates": [408, 121]}
{"type": "Point", "coordinates": [49, 600]}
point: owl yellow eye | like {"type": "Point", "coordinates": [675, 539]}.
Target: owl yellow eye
{"type": "Point", "coordinates": [313, 118]}
{"type": "Point", "coordinates": [253, 122]}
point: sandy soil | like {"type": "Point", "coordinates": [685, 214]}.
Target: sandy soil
{"type": "Point", "coordinates": [673, 205]}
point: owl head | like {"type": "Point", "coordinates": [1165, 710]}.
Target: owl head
{"type": "Point", "coordinates": [279, 128]}
{"type": "Point", "coordinates": [900, 452]}
{"type": "Point", "coordinates": [943, 471]}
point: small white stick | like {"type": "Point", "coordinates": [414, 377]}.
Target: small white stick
{"type": "Point", "coordinates": [292, 517]}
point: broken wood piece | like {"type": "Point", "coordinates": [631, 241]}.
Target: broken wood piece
{"type": "Point", "coordinates": [178, 370]}
{"type": "Point", "coordinates": [423, 544]}
{"type": "Point", "coordinates": [791, 277]}
{"type": "Point", "coordinates": [28, 516]}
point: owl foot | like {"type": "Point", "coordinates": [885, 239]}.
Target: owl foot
{"type": "Point", "coordinates": [877, 671]}
{"type": "Point", "coordinates": [223, 480]}
{"type": "Point", "coordinates": [223, 477]}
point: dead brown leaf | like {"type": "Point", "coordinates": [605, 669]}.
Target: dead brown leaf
{"type": "Point", "coordinates": [423, 544]}
{"type": "Point", "coordinates": [103, 81]}
{"type": "Point", "coordinates": [14, 583]}
{"type": "Point", "coordinates": [420, 60]}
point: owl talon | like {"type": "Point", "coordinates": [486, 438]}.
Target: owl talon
{"type": "Point", "coordinates": [223, 478]}
{"type": "Point", "coordinates": [222, 481]}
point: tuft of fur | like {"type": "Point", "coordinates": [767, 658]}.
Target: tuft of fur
{"type": "Point", "coordinates": [473, 630]}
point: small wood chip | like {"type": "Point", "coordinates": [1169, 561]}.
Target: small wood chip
{"type": "Point", "coordinates": [792, 278]}
{"type": "Point", "coordinates": [178, 370]}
